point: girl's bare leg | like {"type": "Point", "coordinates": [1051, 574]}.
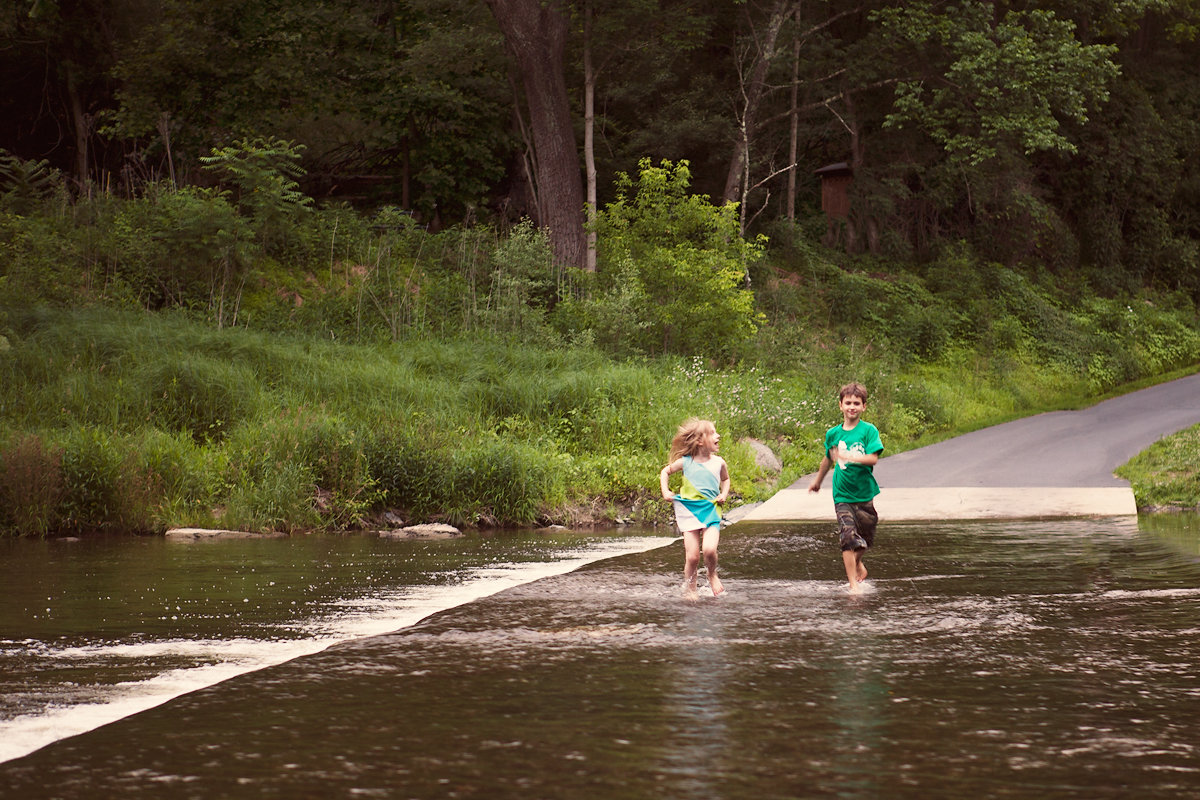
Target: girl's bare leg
{"type": "Point", "coordinates": [712, 536]}
{"type": "Point", "coordinates": [691, 563]}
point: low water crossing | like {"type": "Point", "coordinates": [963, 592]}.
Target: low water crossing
{"type": "Point", "coordinates": [1007, 659]}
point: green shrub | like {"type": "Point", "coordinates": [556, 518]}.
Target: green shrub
{"type": "Point", "coordinates": [1005, 335]}
{"type": "Point", "coordinates": [919, 331]}
{"type": "Point", "coordinates": [43, 258]}
{"type": "Point", "coordinates": [91, 474]}
{"type": "Point", "coordinates": [473, 481]}
{"type": "Point", "coordinates": [198, 395]}
{"type": "Point", "coordinates": [188, 475]}
{"type": "Point", "coordinates": [181, 247]}
{"type": "Point", "coordinates": [327, 482]}
{"type": "Point", "coordinates": [523, 282]}
{"type": "Point", "coordinates": [31, 485]}
{"type": "Point", "coordinates": [264, 173]}
{"type": "Point", "coordinates": [24, 185]}
{"type": "Point", "coordinates": [607, 311]}
{"type": "Point", "coordinates": [104, 488]}
{"type": "Point", "coordinates": [671, 275]}
{"type": "Point", "coordinates": [280, 499]}
{"type": "Point", "coordinates": [409, 467]}
{"type": "Point", "coordinates": [501, 482]}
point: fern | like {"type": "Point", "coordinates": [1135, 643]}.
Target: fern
{"type": "Point", "coordinates": [24, 184]}
{"type": "Point", "coordinates": [265, 171]}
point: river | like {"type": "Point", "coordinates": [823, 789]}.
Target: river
{"type": "Point", "coordinates": [1047, 659]}
{"type": "Point", "coordinates": [93, 630]}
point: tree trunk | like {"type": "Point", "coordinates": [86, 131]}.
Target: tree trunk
{"type": "Point", "coordinates": [81, 125]}
{"type": "Point", "coordinates": [536, 32]}
{"type": "Point", "coordinates": [859, 209]}
{"type": "Point", "coordinates": [752, 94]}
{"type": "Point", "coordinates": [794, 114]}
{"type": "Point", "coordinates": [164, 132]}
{"type": "Point", "coordinates": [589, 123]}
{"type": "Point", "coordinates": [406, 168]}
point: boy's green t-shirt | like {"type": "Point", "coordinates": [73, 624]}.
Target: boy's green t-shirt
{"type": "Point", "coordinates": [853, 483]}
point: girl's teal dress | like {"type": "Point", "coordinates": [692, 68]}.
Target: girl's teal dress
{"type": "Point", "coordinates": [695, 506]}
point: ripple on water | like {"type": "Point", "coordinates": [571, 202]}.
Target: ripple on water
{"type": "Point", "coordinates": [1039, 659]}
{"type": "Point", "coordinates": [56, 687]}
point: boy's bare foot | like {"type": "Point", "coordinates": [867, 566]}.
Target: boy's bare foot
{"type": "Point", "coordinates": [718, 588]}
{"type": "Point", "coordinates": [690, 593]}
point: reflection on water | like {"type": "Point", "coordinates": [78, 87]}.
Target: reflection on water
{"type": "Point", "coordinates": [697, 707]}
{"type": "Point", "coordinates": [94, 630]}
{"type": "Point", "coordinates": [1008, 659]}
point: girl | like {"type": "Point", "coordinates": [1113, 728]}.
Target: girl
{"type": "Point", "coordinates": [698, 504]}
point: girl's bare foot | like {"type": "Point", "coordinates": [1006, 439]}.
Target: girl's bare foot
{"type": "Point", "coordinates": [689, 592]}
{"type": "Point", "coordinates": [718, 588]}
{"type": "Point", "coordinates": [862, 572]}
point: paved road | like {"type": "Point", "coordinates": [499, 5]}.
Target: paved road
{"type": "Point", "coordinates": [1069, 456]}
{"type": "Point", "coordinates": [1059, 448]}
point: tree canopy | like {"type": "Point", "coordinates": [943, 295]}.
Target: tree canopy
{"type": "Point", "coordinates": [1041, 131]}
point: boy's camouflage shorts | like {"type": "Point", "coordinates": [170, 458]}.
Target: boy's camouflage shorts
{"type": "Point", "coordinates": [856, 525]}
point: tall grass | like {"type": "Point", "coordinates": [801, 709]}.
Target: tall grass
{"type": "Point", "coordinates": [119, 420]}
{"type": "Point", "coordinates": [153, 375]}
{"type": "Point", "coordinates": [141, 421]}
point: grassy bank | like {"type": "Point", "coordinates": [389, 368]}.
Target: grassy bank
{"type": "Point", "coordinates": [182, 358]}
{"type": "Point", "coordinates": [132, 421]}
{"type": "Point", "coordinates": [1166, 476]}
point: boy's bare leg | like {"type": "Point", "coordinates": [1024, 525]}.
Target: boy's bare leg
{"type": "Point", "coordinates": [853, 563]}
{"type": "Point", "coordinates": [712, 536]}
{"type": "Point", "coordinates": [691, 564]}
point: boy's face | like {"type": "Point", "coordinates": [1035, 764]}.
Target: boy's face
{"type": "Point", "coordinates": [852, 408]}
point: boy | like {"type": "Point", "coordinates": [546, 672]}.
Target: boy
{"type": "Point", "coordinates": [851, 450]}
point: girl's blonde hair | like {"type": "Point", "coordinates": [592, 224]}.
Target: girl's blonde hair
{"type": "Point", "coordinates": [690, 437]}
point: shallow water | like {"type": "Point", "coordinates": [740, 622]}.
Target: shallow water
{"type": "Point", "coordinates": [1007, 659]}
{"type": "Point", "coordinates": [93, 630]}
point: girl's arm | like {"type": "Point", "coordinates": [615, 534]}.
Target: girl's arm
{"type": "Point", "coordinates": [726, 484]}
{"type": "Point", "coordinates": [674, 466]}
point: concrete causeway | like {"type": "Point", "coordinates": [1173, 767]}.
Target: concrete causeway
{"type": "Point", "coordinates": [1057, 464]}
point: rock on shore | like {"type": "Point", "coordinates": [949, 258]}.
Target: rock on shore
{"type": "Point", "coordinates": [431, 530]}
{"type": "Point", "coordinates": [197, 534]}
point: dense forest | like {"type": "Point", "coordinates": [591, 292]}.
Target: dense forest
{"type": "Point", "coordinates": [487, 254]}
{"type": "Point", "coordinates": [1048, 132]}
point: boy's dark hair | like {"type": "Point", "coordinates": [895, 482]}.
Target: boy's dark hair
{"type": "Point", "coordinates": [855, 389]}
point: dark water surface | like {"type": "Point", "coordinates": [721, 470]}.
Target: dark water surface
{"type": "Point", "coordinates": [95, 630]}
{"type": "Point", "coordinates": [1007, 659]}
